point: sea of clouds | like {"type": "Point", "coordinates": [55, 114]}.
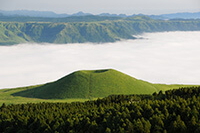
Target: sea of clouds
{"type": "Point", "coordinates": [166, 57]}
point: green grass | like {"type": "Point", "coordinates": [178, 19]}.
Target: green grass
{"type": "Point", "coordinates": [82, 86]}
{"type": "Point", "coordinates": [165, 87]}
{"type": "Point", "coordinates": [7, 97]}
{"type": "Point", "coordinates": [90, 84]}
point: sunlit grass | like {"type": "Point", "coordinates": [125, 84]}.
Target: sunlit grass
{"type": "Point", "coordinates": [7, 98]}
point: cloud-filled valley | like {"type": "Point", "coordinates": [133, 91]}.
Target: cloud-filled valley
{"type": "Point", "coordinates": [167, 57]}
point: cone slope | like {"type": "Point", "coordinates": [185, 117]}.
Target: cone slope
{"type": "Point", "coordinates": [90, 84]}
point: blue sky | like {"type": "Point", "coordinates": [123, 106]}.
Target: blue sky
{"type": "Point", "coordinates": [102, 6]}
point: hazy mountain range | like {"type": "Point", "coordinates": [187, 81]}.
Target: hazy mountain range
{"type": "Point", "coordinates": [30, 13]}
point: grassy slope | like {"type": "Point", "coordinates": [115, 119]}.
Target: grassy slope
{"type": "Point", "coordinates": [90, 84]}
{"type": "Point", "coordinates": [115, 82]}
{"type": "Point", "coordinates": [7, 97]}
{"type": "Point", "coordinates": [84, 85]}
{"type": "Point", "coordinates": [165, 87]}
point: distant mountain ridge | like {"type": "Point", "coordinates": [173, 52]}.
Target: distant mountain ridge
{"type": "Point", "coordinates": [81, 29]}
{"type": "Point", "coordinates": [50, 14]}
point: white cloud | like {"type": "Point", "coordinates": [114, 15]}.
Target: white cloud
{"type": "Point", "coordinates": [169, 57]}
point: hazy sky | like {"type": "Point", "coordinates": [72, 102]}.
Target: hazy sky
{"type": "Point", "coordinates": [102, 6]}
{"type": "Point", "coordinates": [168, 57]}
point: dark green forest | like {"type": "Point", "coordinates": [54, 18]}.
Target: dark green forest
{"type": "Point", "coordinates": [97, 29]}
{"type": "Point", "coordinates": [173, 111]}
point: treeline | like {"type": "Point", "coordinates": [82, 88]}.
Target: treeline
{"type": "Point", "coordinates": [89, 29]}
{"type": "Point", "coordinates": [175, 111]}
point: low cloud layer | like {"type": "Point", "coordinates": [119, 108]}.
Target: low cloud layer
{"type": "Point", "coordinates": [168, 57]}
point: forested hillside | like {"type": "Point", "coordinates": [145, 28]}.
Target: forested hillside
{"type": "Point", "coordinates": [175, 111]}
{"type": "Point", "coordinates": [86, 29]}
